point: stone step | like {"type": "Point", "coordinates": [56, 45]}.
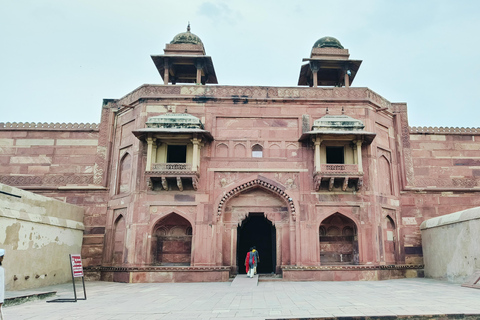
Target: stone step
{"type": "Point", "coordinates": [241, 280]}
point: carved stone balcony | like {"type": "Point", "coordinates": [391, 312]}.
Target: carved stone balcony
{"type": "Point", "coordinates": [344, 176]}
{"type": "Point", "coordinates": [172, 167]}
{"type": "Point", "coordinates": [171, 176]}
{"type": "Point", "coordinates": [339, 169]}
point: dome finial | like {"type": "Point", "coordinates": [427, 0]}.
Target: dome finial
{"type": "Point", "coordinates": [188, 27]}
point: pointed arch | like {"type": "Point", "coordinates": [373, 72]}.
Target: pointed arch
{"type": "Point", "coordinates": [338, 240]}
{"type": "Point", "coordinates": [256, 183]}
{"type": "Point", "coordinates": [119, 240]}
{"type": "Point", "coordinates": [389, 242]}
{"type": "Point", "coordinates": [390, 222]}
{"type": "Point", "coordinates": [292, 150]}
{"type": "Point", "coordinates": [157, 221]}
{"type": "Point", "coordinates": [385, 176]}
{"type": "Point", "coordinates": [257, 151]}
{"type": "Point", "coordinates": [221, 150]}
{"type": "Point", "coordinates": [274, 151]}
{"type": "Point", "coordinates": [239, 151]}
{"type": "Point", "coordinates": [172, 241]}
{"type": "Point", "coordinates": [124, 174]}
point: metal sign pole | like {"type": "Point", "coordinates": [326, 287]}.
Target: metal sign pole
{"type": "Point", "coordinates": [76, 271]}
{"type": "Point", "coordinates": [73, 278]}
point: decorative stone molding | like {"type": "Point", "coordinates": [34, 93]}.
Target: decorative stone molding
{"type": "Point", "coordinates": [49, 180]}
{"type": "Point", "coordinates": [234, 92]}
{"type": "Point", "coordinates": [50, 126]}
{"type": "Point", "coordinates": [357, 267]}
{"type": "Point", "coordinates": [468, 182]}
{"type": "Point", "coordinates": [444, 130]}
{"type": "Point", "coordinates": [160, 268]}
{"type": "Point", "coordinates": [252, 184]}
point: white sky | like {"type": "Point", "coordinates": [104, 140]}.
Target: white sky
{"type": "Point", "coordinates": [60, 58]}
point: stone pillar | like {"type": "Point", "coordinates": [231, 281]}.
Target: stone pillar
{"type": "Point", "coordinates": [314, 66]}
{"type": "Point", "coordinates": [317, 155]}
{"type": "Point", "coordinates": [149, 153]}
{"type": "Point", "coordinates": [359, 156]}
{"type": "Point", "coordinates": [347, 73]}
{"type": "Point", "coordinates": [354, 149]}
{"type": "Point", "coordinates": [166, 72]}
{"type": "Point", "coordinates": [199, 65]}
{"type": "Point", "coordinates": [154, 150]}
{"type": "Point", "coordinates": [196, 151]}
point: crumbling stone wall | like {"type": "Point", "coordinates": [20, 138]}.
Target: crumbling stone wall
{"type": "Point", "coordinates": [38, 234]}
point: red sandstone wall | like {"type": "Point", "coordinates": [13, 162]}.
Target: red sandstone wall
{"type": "Point", "coordinates": [445, 179]}
{"type": "Point", "coordinates": [77, 166]}
{"type": "Point", "coordinates": [59, 161]}
{"type": "Point", "coordinates": [446, 160]}
{"type": "Point", "coordinates": [47, 156]}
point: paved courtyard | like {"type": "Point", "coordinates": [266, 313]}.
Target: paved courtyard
{"type": "Point", "coordinates": [242, 300]}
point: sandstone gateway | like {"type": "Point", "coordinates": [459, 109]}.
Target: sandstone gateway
{"type": "Point", "coordinates": [179, 180]}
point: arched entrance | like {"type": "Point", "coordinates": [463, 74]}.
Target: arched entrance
{"type": "Point", "coordinates": [256, 230]}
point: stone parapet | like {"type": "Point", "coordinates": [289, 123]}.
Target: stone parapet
{"type": "Point", "coordinates": [242, 93]}
{"type": "Point", "coordinates": [49, 126]}
{"type": "Point", "coordinates": [445, 130]}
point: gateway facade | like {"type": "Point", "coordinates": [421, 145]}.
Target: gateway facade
{"type": "Point", "coordinates": [179, 180]}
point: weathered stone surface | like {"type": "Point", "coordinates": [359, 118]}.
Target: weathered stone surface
{"type": "Point", "coordinates": [184, 197]}
{"type": "Point", "coordinates": [451, 245]}
{"type": "Point", "coordinates": [38, 234]}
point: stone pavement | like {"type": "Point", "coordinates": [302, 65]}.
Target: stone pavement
{"type": "Point", "coordinates": [267, 300]}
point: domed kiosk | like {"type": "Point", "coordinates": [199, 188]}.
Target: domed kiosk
{"type": "Point", "coordinates": [328, 65]}
{"type": "Point", "coordinates": [185, 61]}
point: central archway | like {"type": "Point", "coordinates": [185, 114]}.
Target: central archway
{"type": "Point", "coordinates": [256, 230]}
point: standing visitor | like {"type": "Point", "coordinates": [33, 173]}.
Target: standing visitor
{"type": "Point", "coordinates": [257, 259]}
{"type": "Point", "coordinates": [2, 283]}
{"type": "Point", "coordinates": [250, 263]}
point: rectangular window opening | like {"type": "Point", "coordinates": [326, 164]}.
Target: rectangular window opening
{"type": "Point", "coordinates": [335, 155]}
{"type": "Point", "coordinates": [177, 154]}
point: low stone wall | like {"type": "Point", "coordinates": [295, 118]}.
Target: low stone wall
{"type": "Point", "coordinates": [351, 273]}
{"type": "Point", "coordinates": [161, 274]}
{"type": "Point", "coordinates": [38, 234]}
{"type": "Point", "coordinates": [451, 245]}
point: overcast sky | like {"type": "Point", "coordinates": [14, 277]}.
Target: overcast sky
{"type": "Point", "coordinates": [59, 58]}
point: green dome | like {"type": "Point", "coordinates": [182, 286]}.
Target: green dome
{"type": "Point", "coordinates": [186, 37]}
{"type": "Point", "coordinates": [328, 42]}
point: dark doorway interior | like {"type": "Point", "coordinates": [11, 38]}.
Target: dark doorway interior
{"type": "Point", "coordinates": [256, 230]}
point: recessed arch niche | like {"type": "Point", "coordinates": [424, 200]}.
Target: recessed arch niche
{"type": "Point", "coordinates": [172, 241]}
{"type": "Point", "coordinates": [118, 240]}
{"type": "Point", "coordinates": [338, 240]}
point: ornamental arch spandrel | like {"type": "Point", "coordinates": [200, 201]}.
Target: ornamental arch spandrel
{"type": "Point", "coordinates": [249, 201]}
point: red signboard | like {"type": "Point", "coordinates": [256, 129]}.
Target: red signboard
{"type": "Point", "coordinates": [77, 265]}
